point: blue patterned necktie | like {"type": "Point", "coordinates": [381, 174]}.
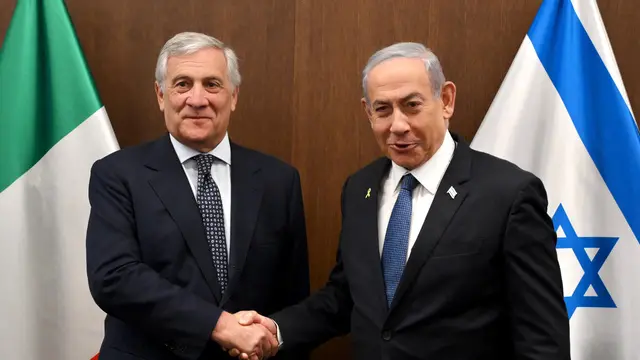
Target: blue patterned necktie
{"type": "Point", "coordinates": [396, 240]}
{"type": "Point", "coordinates": [212, 213]}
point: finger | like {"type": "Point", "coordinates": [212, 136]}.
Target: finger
{"type": "Point", "coordinates": [274, 345]}
{"type": "Point", "coordinates": [249, 317]}
{"type": "Point", "coordinates": [234, 352]}
{"type": "Point", "coordinates": [266, 344]}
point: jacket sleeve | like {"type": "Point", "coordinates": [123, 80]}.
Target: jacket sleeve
{"type": "Point", "coordinates": [322, 316]}
{"type": "Point", "coordinates": [295, 286]}
{"type": "Point", "coordinates": [537, 311]}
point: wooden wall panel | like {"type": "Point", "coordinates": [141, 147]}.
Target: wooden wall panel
{"type": "Point", "coordinates": [621, 18]}
{"type": "Point", "coordinates": [122, 39]}
{"type": "Point", "coordinates": [301, 62]}
{"type": "Point", "coordinates": [329, 126]}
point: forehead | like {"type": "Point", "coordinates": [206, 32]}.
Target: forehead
{"type": "Point", "coordinates": [205, 62]}
{"type": "Point", "coordinates": [398, 77]}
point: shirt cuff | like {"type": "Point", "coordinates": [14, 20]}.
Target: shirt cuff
{"type": "Point", "coordinates": [278, 334]}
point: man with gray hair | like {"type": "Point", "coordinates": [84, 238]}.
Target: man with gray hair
{"type": "Point", "coordinates": [190, 228]}
{"type": "Point", "coordinates": [445, 252]}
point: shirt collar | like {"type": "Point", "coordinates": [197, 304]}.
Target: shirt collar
{"type": "Point", "coordinates": [222, 151]}
{"type": "Point", "coordinates": [431, 172]}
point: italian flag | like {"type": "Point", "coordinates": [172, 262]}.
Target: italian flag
{"type": "Point", "coordinates": [52, 128]}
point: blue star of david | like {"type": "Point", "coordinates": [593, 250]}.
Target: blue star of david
{"type": "Point", "coordinates": [590, 267]}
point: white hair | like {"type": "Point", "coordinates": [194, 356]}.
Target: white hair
{"type": "Point", "coordinates": [411, 51]}
{"type": "Point", "coordinates": [187, 43]}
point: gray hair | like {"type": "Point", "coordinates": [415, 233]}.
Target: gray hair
{"type": "Point", "coordinates": [187, 43]}
{"type": "Point", "coordinates": [411, 51]}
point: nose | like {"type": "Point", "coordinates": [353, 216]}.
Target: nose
{"type": "Point", "coordinates": [197, 98]}
{"type": "Point", "coordinates": [399, 122]}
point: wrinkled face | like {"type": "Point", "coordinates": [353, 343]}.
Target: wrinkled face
{"type": "Point", "coordinates": [408, 122]}
{"type": "Point", "coordinates": [198, 98]}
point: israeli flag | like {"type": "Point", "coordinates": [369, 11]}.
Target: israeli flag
{"type": "Point", "coordinates": [563, 114]}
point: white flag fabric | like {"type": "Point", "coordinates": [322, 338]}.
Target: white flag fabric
{"type": "Point", "coordinates": [563, 114]}
{"type": "Point", "coordinates": [53, 129]}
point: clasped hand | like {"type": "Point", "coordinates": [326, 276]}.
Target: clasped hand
{"type": "Point", "coordinates": [246, 335]}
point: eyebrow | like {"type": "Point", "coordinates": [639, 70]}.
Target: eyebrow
{"type": "Point", "coordinates": [185, 77]}
{"type": "Point", "coordinates": [404, 99]}
{"type": "Point", "coordinates": [412, 95]}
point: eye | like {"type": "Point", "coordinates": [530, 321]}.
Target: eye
{"type": "Point", "coordinates": [413, 104]}
{"type": "Point", "coordinates": [213, 84]}
{"type": "Point", "coordinates": [181, 84]}
{"type": "Point", "coordinates": [381, 108]}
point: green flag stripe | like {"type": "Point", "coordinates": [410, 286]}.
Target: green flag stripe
{"type": "Point", "coordinates": [46, 89]}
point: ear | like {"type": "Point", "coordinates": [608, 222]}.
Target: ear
{"type": "Point", "coordinates": [448, 97]}
{"type": "Point", "coordinates": [234, 98]}
{"type": "Point", "coordinates": [159, 95]}
{"type": "Point", "coordinates": [367, 110]}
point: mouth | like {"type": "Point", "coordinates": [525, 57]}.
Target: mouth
{"type": "Point", "coordinates": [197, 118]}
{"type": "Point", "coordinates": [402, 147]}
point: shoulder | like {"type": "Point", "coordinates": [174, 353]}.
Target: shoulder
{"type": "Point", "coordinates": [500, 177]}
{"type": "Point", "coordinates": [269, 165]}
{"type": "Point", "coordinates": [132, 155]}
{"type": "Point", "coordinates": [487, 164]}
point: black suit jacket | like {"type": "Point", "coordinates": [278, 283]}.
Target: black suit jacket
{"type": "Point", "coordinates": [149, 265]}
{"type": "Point", "coordinates": [482, 281]}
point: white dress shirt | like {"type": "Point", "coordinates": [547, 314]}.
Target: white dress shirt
{"type": "Point", "coordinates": [220, 172]}
{"type": "Point", "coordinates": [429, 176]}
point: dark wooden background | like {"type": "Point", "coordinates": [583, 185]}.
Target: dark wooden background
{"type": "Point", "coordinates": [301, 63]}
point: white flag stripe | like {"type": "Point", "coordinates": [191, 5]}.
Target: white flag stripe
{"type": "Point", "coordinates": [52, 311]}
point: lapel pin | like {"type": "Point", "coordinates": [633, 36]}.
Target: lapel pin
{"type": "Point", "coordinates": [368, 193]}
{"type": "Point", "coordinates": [452, 192]}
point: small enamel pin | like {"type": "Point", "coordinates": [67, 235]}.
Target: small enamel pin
{"type": "Point", "coordinates": [452, 192]}
{"type": "Point", "coordinates": [368, 193]}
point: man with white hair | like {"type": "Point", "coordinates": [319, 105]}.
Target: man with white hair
{"type": "Point", "coordinates": [445, 252]}
{"type": "Point", "coordinates": [190, 228]}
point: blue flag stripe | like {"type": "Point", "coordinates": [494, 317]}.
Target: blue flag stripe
{"type": "Point", "coordinates": [598, 110]}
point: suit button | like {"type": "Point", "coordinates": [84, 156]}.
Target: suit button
{"type": "Point", "coordinates": [386, 335]}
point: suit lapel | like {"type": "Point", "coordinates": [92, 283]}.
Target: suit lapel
{"type": "Point", "coordinates": [246, 196]}
{"type": "Point", "coordinates": [369, 231]}
{"type": "Point", "coordinates": [172, 187]}
{"type": "Point", "coordinates": [442, 210]}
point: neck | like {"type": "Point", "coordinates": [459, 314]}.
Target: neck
{"type": "Point", "coordinates": [204, 146]}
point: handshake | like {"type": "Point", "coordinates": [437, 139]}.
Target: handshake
{"type": "Point", "coordinates": [246, 335]}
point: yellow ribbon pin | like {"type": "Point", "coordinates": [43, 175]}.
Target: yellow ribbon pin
{"type": "Point", "coordinates": [368, 193]}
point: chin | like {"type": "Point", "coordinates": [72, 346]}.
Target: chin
{"type": "Point", "coordinates": [191, 138]}
{"type": "Point", "coordinates": [197, 134]}
{"type": "Point", "coordinates": [405, 163]}
{"type": "Point", "coordinates": [405, 160]}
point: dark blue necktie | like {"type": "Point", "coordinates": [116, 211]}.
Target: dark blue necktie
{"type": "Point", "coordinates": [212, 213]}
{"type": "Point", "coordinates": [396, 240]}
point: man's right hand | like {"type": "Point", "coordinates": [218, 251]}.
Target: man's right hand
{"type": "Point", "coordinates": [251, 341]}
